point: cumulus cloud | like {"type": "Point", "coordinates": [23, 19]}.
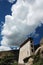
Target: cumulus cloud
{"type": "Point", "coordinates": [26, 16]}
{"type": "Point", "coordinates": [11, 1]}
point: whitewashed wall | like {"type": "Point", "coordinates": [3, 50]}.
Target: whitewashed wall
{"type": "Point", "coordinates": [25, 51]}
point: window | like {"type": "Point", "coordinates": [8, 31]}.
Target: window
{"type": "Point", "coordinates": [31, 45]}
{"type": "Point", "coordinates": [42, 52]}
{"type": "Point", "coordinates": [32, 50]}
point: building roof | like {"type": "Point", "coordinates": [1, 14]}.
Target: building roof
{"type": "Point", "coordinates": [29, 39]}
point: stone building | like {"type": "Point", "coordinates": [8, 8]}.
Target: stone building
{"type": "Point", "coordinates": [40, 49]}
{"type": "Point", "coordinates": [41, 42]}
{"type": "Point", "coordinates": [26, 50]}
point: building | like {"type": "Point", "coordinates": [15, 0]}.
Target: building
{"type": "Point", "coordinates": [41, 42]}
{"type": "Point", "coordinates": [39, 50]}
{"type": "Point", "coordinates": [26, 50]}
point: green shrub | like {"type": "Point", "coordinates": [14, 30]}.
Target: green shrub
{"type": "Point", "coordinates": [8, 60]}
{"type": "Point", "coordinates": [38, 60]}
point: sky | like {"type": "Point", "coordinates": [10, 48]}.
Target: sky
{"type": "Point", "coordinates": [20, 19]}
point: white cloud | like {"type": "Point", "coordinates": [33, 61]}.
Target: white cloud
{"type": "Point", "coordinates": [26, 17]}
{"type": "Point", "coordinates": [4, 48]}
{"type": "Point", "coordinates": [11, 1]}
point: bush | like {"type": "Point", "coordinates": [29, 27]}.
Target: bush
{"type": "Point", "coordinates": [8, 60]}
{"type": "Point", "coordinates": [38, 60]}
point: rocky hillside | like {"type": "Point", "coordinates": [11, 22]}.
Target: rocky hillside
{"type": "Point", "coordinates": [9, 57]}
{"type": "Point", "coordinates": [9, 53]}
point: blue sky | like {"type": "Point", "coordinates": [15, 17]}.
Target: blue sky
{"type": "Point", "coordinates": [5, 9]}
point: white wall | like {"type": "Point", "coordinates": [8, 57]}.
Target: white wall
{"type": "Point", "coordinates": [25, 51]}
